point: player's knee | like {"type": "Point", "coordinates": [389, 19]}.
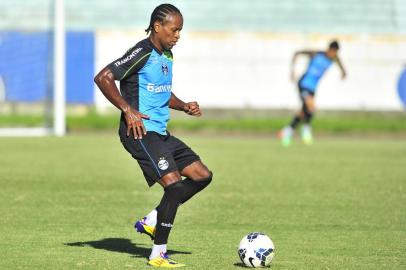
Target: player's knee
{"type": "Point", "coordinates": [207, 176]}
{"type": "Point", "coordinates": [204, 182]}
{"type": "Point", "coordinates": [201, 173]}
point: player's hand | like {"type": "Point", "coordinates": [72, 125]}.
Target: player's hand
{"type": "Point", "coordinates": [133, 119]}
{"type": "Point", "coordinates": [192, 108]}
{"type": "Point", "coordinates": [343, 75]}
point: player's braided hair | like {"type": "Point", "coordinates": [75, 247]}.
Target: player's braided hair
{"type": "Point", "coordinates": [160, 14]}
{"type": "Point", "coordinates": [334, 45]}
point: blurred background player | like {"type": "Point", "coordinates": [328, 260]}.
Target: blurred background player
{"type": "Point", "coordinates": [319, 62]}
{"type": "Point", "coordinates": [145, 75]}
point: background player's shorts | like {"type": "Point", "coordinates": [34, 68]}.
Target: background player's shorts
{"type": "Point", "coordinates": [304, 93]}
{"type": "Point", "coordinates": [158, 154]}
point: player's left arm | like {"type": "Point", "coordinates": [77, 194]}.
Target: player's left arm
{"type": "Point", "coordinates": [191, 108]}
{"type": "Point", "coordinates": [341, 66]}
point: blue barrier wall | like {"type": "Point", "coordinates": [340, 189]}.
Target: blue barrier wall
{"type": "Point", "coordinates": [80, 67]}
{"type": "Point", "coordinates": [26, 66]}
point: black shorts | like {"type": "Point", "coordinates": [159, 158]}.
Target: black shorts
{"type": "Point", "coordinates": [304, 93]}
{"type": "Point", "coordinates": [158, 154]}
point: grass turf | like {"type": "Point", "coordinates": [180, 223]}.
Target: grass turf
{"type": "Point", "coordinates": [70, 204]}
{"type": "Point", "coordinates": [234, 121]}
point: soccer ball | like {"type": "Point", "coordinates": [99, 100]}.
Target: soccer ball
{"type": "Point", "coordinates": [256, 250]}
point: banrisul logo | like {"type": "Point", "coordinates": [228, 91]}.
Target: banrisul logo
{"type": "Point", "coordinates": [165, 69]}
{"type": "Point", "coordinates": [159, 88]}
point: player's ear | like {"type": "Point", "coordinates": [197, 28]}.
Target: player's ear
{"type": "Point", "coordinates": [157, 26]}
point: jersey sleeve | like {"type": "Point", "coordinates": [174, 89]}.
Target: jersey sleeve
{"type": "Point", "coordinates": [130, 63]}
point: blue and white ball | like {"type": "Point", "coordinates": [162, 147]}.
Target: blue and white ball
{"type": "Point", "coordinates": [256, 250]}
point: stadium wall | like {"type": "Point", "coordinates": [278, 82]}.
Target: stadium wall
{"type": "Point", "coordinates": [249, 69]}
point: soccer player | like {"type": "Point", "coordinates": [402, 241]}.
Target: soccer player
{"type": "Point", "coordinates": [145, 75]}
{"type": "Point", "coordinates": [319, 62]}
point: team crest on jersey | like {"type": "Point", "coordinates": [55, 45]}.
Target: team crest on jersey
{"type": "Point", "coordinates": [163, 164]}
{"type": "Point", "coordinates": [165, 69]}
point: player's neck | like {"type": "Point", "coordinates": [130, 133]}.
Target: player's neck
{"type": "Point", "coordinates": [156, 43]}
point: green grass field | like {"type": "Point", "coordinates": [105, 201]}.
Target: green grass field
{"type": "Point", "coordinates": [241, 121]}
{"type": "Point", "coordinates": [70, 204]}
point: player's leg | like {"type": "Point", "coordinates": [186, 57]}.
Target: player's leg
{"type": "Point", "coordinates": [287, 132]}
{"type": "Point", "coordinates": [166, 213]}
{"type": "Point", "coordinates": [297, 118]}
{"type": "Point", "coordinates": [176, 192]}
{"type": "Point", "coordinates": [197, 176]}
{"type": "Point", "coordinates": [158, 165]}
{"type": "Point", "coordinates": [308, 109]}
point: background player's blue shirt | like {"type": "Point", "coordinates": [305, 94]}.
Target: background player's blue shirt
{"type": "Point", "coordinates": [145, 76]}
{"type": "Point", "coordinates": [317, 67]}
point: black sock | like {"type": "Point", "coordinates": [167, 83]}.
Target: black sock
{"type": "Point", "coordinates": [295, 122]}
{"type": "Point", "coordinates": [167, 211]}
{"type": "Point", "coordinates": [308, 117]}
{"type": "Point", "coordinates": [193, 187]}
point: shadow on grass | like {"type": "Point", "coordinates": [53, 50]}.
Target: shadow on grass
{"type": "Point", "coordinates": [240, 264]}
{"type": "Point", "coordinates": [120, 245]}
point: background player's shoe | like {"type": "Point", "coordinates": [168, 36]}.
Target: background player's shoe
{"type": "Point", "coordinates": [307, 137]}
{"type": "Point", "coordinates": [143, 227]}
{"type": "Point", "coordinates": [286, 135]}
{"type": "Point", "coordinates": [164, 261]}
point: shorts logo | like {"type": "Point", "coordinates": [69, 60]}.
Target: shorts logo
{"type": "Point", "coordinates": [165, 69]}
{"type": "Point", "coordinates": [163, 164]}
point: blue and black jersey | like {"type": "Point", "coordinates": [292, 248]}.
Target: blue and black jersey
{"type": "Point", "coordinates": [317, 67]}
{"type": "Point", "coordinates": [145, 76]}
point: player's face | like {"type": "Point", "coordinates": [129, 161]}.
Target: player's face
{"type": "Point", "coordinates": [331, 53]}
{"type": "Point", "coordinates": [169, 32]}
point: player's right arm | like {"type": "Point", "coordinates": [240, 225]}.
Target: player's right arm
{"type": "Point", "coordinates": [121, 69]}
{"type": "Point", "coordinates": [295, 56]}
{"type": "Point", "coordinates": [105, 81]}
{"type": "Point", "coordinates": [342, 69]}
